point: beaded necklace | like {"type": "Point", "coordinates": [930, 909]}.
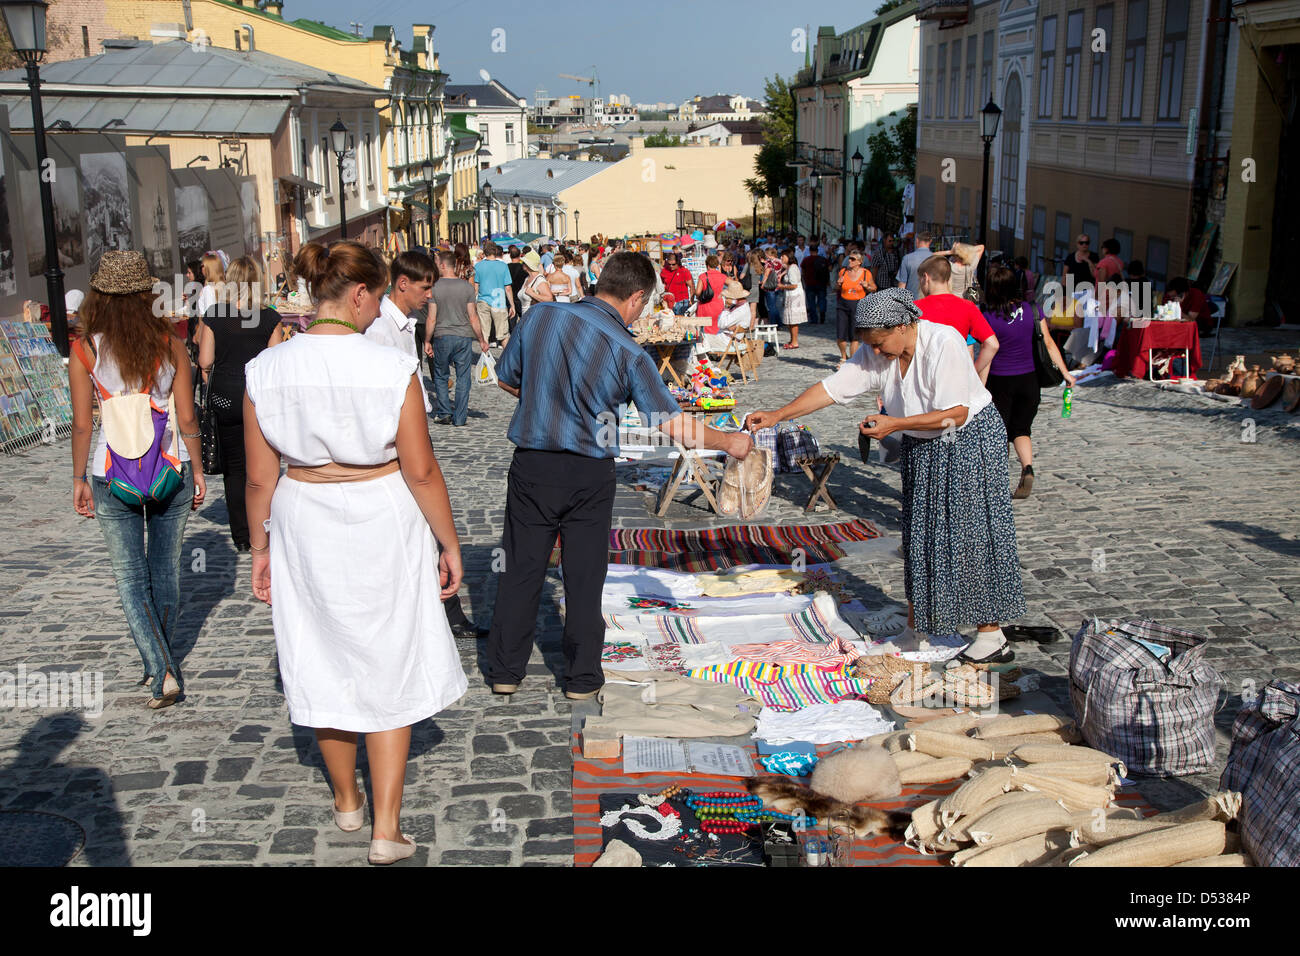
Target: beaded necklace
{"type": "Point", "coordinates": [732, 811]}
{"type": "Point", "coordinates": [315, 322]}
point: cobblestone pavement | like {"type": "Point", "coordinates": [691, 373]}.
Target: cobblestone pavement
{"type": "Point", "coordinates": [1147, 503]}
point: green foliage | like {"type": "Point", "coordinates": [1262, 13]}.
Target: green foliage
{"type": "Point", "coordinates": [662, 138]}
{"type": "Point", "coordinates": [889, 5]}
{"type": "Point", "coordinates": [898, 145]}
{"type": "Point", "coordinates": [778, 138]}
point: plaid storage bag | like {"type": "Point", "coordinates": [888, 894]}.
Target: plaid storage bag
{"type": "Point", "coordinates": [794, 441]}
{"type": "Point", "coordinates": [1143, 694]}
{"type": "Point", "coordinates": [765, 438]}
{"type": "Point", "coordinates": [1264, 767]}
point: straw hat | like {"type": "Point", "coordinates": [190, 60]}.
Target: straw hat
{"type": "Point", "coordinates": [532, 260]}
{"type": "Point", "coordinates": [732, 289]}
{"type": "Point", "coordinates": [122, 272]}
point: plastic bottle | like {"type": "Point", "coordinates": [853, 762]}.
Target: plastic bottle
{"type": "Point", "coordinates": [1067, 402]}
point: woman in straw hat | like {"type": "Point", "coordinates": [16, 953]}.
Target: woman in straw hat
{"type": "Point", "coordinates": [127, 348]}
{"type": "Point", "coordinates": [356, 542]}
{"type": "Point", "coordinates": [960, 562]}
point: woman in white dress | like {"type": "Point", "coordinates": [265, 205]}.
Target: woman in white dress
{"type": "Point", "coordinates": [360, 533]}
{"type": "Point", "coordinates": [795, 311]}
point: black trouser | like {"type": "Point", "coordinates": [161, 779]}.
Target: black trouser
{"type": "Point", "coordinates": [549, 493]}
{"type": "Point", "coordinates": [230, 437]}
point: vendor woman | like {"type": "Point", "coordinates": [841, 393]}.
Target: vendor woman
{"type": "Point", "coordinates": [960, 562]}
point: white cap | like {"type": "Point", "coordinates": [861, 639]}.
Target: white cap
{"type": "Point", "coordinates": [72, 299]}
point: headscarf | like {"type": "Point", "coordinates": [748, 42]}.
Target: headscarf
{"type": "Point", "coordinates": [887, 309]}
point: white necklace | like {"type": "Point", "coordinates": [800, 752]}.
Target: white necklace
{"type": "Point", "coordinates": [669, 827]}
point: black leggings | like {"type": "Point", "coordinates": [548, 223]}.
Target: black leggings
{"type": "Point", "coordinates": [1016, 398]}
{"type": "Point", "coordinates": [230, 433]}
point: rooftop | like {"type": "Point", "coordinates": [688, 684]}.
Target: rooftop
{"type": "Point", "coordinates": [529, 176]}
{"type": "Point", "coordinates": [486, 95]}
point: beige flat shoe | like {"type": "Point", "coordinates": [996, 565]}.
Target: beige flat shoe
{"type": "Point", "coordinates": [171, 690]}
{"type": "Point", "coordinates": [383, 852]}
{"type": "Point", "coordinates": [755, 482]}
{"type": "Point", "coordinates": [580, 695]}
{"type": "Point", "coordinates": [729, 489]}
{"type": "Point", "coordinates": [505, 688]}
{"type": "Point", "coordinates": [349, 821]}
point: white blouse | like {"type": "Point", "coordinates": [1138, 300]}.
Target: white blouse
{"type": "Point", "coordinates": [323, 398]}
{"type": "Point", "coordinates": [941, 376]}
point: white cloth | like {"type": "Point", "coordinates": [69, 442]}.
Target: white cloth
{"type": "Point", "coordinates": [108, 375]}
{"type": "Point", "coordinates": [796, 306]}
{"type": "Point", "coordinates": [822, 723]}
{"type": "Point", "coordinates": [396, 330]}
{"type": "Point", "coordinates": [737, 316]}
{"type": "Point", "coordinates": [575, 276]}
{"type": "Point", "coordinates": [360, 631]}
{"type": "Point", "coordinates": [940, 377]}
{"type": "Point", "coordinates": [206, 299]}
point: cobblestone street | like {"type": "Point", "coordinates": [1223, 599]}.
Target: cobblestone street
{"type": "Point", "coordinates": [1148, 503]}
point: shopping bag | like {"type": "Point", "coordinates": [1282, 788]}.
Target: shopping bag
{"type": "Point", "coordinates": [485, 369]}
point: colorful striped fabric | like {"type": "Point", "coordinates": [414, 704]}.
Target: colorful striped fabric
{"type": "Point", "coordinates": [786, 687]}
{"type": "Point", "coordinates": [591, 778]}
{"type": "Point", "coordinates": [808, 627]}
{"type": "Point", "coordinates": [835, 654]}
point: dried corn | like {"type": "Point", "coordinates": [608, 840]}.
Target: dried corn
{"type": "Point", "coordinates": [1071, 794]}
{"type": "Point", "coordinates": [1015, 821]}
{"type": "Point", "coordinates": [1029, 851]}
{"type": "Point", "coordinates": [907, 759]}
{"type": "Point", "coordinates": [1223, 859]}
{"type": "Point", "coordinates": [1175, 844]}
{"type": "Point", "coordinates": [975, 792]}
{"type": "Point", "coordinates": [948, 745]}
{"type": "Point", "coordinates": [936, 770]}
{"type": "Point", "coordinates": [1014, 726]}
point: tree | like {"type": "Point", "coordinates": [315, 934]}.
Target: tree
{"type": "Point", "coordinates": [898, 144]}
{"type": "Point", "coordinates": [56, 36]}
{"type": "Point", "coordinates": [889, 5]}
{"type": "Point", "coordinates": [662, 138]}
{"type": "Point", "coordinates": [770, 164]}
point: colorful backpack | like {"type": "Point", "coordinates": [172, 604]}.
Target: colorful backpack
{"type": "Point", "coordinates": [140, 468]}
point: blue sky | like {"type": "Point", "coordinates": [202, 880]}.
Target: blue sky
{"type": "Point", "coordinates": [651, 51]}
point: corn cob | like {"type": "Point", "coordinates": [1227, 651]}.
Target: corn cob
{"type": "Point", "coordinates": [1176, 844]}
{"type": "Point", "coordinates": [936, 770]}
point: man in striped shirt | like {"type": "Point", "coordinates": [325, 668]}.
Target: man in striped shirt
{"type": "Point", "coordinates": [573, 367]}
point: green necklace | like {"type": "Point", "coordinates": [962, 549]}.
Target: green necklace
{"type": "Point", "coordinates": [315, 322]}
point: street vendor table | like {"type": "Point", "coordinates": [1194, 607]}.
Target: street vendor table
{"type": "Point", "coordinates": [1134, 347]}
{"type": "Point", "coordinates": [665, 350]}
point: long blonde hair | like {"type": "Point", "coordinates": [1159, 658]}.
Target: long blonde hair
{"type": "Point", "coordinates": [214, 270]}
{"type": "Point", "coordinates": [244, 286]}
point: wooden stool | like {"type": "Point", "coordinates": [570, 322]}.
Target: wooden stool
{"type": "Point", "coordinates": [704, 471]}
{"type": "Point", "coordinates": [827, 464]}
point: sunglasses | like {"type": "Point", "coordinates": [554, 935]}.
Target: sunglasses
{"type": "Point", "coordinates": [1084, 242]}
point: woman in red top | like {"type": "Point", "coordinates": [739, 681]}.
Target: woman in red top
{"type": "Point", "coordinates": [715, 280]}
{"type": "Point", "coordinates": [677, 282]}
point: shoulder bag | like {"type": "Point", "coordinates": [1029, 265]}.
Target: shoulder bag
{"type": "Point", "coordinates": [1049, 376]}
{"type": "Point", "coordinates": [210, 441]}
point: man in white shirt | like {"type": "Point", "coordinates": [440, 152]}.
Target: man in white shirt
{"type": "Point", "coordinates": [411, 286]}
{"type": "Point", "coordinates": [800, 250]}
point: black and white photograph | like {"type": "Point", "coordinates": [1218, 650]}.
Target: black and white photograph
{"type": "Point", "coordinates": [8, 283]}
{"type": "Point", "coordinates": [252, 216]}
{"type": "Point", "coordinates": [67, 218]}
{"type": "Point", "coordinates": [154, 212]}
{"type": "Point", "coordinates": [192, 226]}
{"type": "Point", "coordinates": [107, 204]}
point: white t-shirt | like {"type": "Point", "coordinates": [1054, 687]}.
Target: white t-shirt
{"type": "Point", "coordinates": [397, 331]}
{"type": "Point", "coordinates": [941, 376]}
{"type": "Point", "coordinates": [801, 254]}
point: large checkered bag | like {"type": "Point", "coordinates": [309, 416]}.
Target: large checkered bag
{"type": "Point", "coordinates": [1152, 710]}
{"type": "Point", "coordinates": [794, 441]}
{"type": "Point", "coordinates": [1264, 766]}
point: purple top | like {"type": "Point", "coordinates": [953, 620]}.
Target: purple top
{"type": "Point", "coordinates": [1015, 355]}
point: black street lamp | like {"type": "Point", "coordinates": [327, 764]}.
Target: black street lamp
{"type": "Point", "coordinates": [410, 217]}
{"type": "Point", "coordinates": [426, 173]}
{"type": "Point", "coordinates": [487, 201]}
{"type": "Point", "coordinates": [576, 228]}
{"type": "Point", "coordinates": [339, 144]}
{"type": "Point", "coordinates": [856, 160]}
{"type": "Point", "coordinates": [516, 201]}
{"type": "Point", "coordinates": [753, 197]}
{"type": "Point", "coordinates": [814, 180]}
{"type": "Point", "coordinates": [783, 191]}
{"type": "Point", "coordinates": [681, 216]}
{"type": "Point", "coordinates": [25, 20]}
{"type": "Point", "coordinates": [990, 116]}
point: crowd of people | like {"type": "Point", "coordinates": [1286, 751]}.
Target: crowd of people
{"type": "Point", "coordinates": [354, 546]}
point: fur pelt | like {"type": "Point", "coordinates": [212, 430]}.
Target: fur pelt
{"type": "Point", "coordinates": [862, 774]}
{"type": "Point", "coordinates": [784, 794]}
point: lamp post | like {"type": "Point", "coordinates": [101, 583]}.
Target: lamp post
{"type": "Point", "coordinates": [856, 161]}
{"type": "Point", "coordinates": [783, 191]}
{"type": "Point", "coordinates": [681, 215]}
{"type": "Point", "coordinates": [437, 212]}
{"type": "Point", "coordinates": [753, 198]}
{"type": "Point", "coordinates": [990, 116]}
{"type": "Point", "coordinates": [516, 201]}
{"type": "Point", "coordinates": [26, 24]}
{"type": "Point", "coordinates": [339, 144]}
{"type": "Point", "coordinates": [576, 228]}
{"type": "Point", "coordinates": [814, 180]}
{"type": "Point", "coordinates": [487, 201]}
{"type": "Point", "coordinates": [426, 173]}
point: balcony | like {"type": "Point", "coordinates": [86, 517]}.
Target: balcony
{"type": "Point", "coordinates": [958, 10]}
{"type": "Point", "coordinates": [824, 160]}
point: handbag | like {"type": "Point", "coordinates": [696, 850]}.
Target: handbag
{"type": "Point", "coordinates": [209, 439]}
{"type": "Point", "coordinates": [1049, 376]}
{"type": "Point", "coordinates": [706, 296]}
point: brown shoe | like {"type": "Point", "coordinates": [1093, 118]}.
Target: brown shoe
{"type": "Point", "coordinates": [1026, 483]}
{"type": "Point", "coordinates": [1268, 392]}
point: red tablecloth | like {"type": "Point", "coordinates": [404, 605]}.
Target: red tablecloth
{"type": "Point", "coordinates": [1134, 345]}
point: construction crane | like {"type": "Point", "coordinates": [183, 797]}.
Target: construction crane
{"type": "Point", "coordinates": [593, 81]}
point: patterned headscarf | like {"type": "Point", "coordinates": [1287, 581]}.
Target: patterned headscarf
{"type": "Point", "coordinates": [886, 309]}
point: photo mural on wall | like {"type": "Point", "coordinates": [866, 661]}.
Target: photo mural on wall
{"type": "Point", "coordinates": [107, 204]}
{"type": "Point", "coordinates": [8, 278]}
{"type": "Point", "coordinates": [67, 217]}
{"type": "Point", "coordinates": [154, 212]}
{"type": "Point", "coordinates": [252, 215]}
{"type": "Point", "coordinates": [192, 226]}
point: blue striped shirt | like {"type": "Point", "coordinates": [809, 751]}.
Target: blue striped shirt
{"type": "Point", "coordinates": [574, 365]}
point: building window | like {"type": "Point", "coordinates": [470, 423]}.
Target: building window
{"type": "Point", "coordinates": [927, 109]}
{"type": "Point", "coordinates": [970, 77]}
{"type": "Point", "coordinates": [1047, 68]}
{"type": "Point", "coordinates": [1135, 60]}
{"type": "Point", "coordinates": [1173, 52]}
{"type": "Point", "coordinates": [943, 76]}
{"type": "Point", "coordinates": [1157, 262]}
{"type": "Point", "coordinates": [953, 102]}
{"type": "Point", "coordinates": [85, 41]}
{"type": "Point", "coordinates": [1092, 229]}
{"type": "Point", "coordinates": [1062, 249]}
{"type": "Point", "coordinates": [306, 160]}
{"type": "Point", "coordinates": [1009, 164]}
{"type": "Point", "coordinates": [986, 69]}
{"type": "Point", "coordinates": [1073, 54]}
{"type": "Point", "coordinates": [1099, 87]}
{"type": "Point", "coordinates": [949, 206]}
{"type": "Point", "coordinates": [325, 164]}
{"type": "Point", "coordinates": [1038, 239]}
{"type": "Point", "coordinates": [965, 209]}
{"type": "Point", "coordinates": [1125, 239]}
{"type": "Point", "coordinates": [510, 134]}
{"type": "Point", "coordinates": [370, 161]}
{"type": "Point", "coordinates": [483, 133]}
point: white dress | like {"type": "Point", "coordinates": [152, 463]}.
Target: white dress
{"type": "Point", "coordinates": [362, 637]}
{"type": "Point", "coordinates": [796, 309]}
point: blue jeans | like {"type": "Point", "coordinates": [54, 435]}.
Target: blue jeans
{"type": "Point", "coordinates": [775, 306]}
{"type": "Point", "coordinates": [446, 350]}
{"type": "Point", "coordinates": [144, 547]}
{"type": "Point", "coordinates": [816, 301]}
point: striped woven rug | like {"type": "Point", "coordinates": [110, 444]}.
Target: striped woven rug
{"type": "Point", "coordinates": [591, 778]}
{"type": "Point", "coordinates": [733, 545]}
